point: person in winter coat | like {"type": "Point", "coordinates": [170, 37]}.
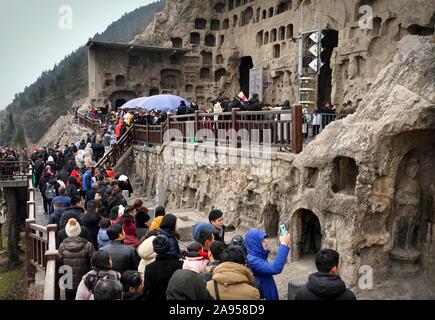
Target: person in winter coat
{"type": "Point", "coordinates": [101, 270]}
{"type": "Point", "coordinates": [39, 167]}
{"type": "Point", "coordinates": [62, 198]}
{"type": "Point", "coordinates": [325, 284]}
{"type": "Point", "coordinates": [168, 228]}
{"type": "Point", "coordinates": [187, 285]}
{"type": "Point", "coordinates": [193, 260]}
{"type": "Point", "coordinates": [232, 280]}
{"type": "Point", "coordinates": [72, 188]}
{"type": "Point", "coordinates": [82, 144]}
{"type": "Point", "coordinates": [123, 257]}
{"type": "Point", "coordinates": [142, 220]}
{"type": "Point", "coordinates": [217, 220]}
{"type": "Point", "coordinates": [125, 185]}
{"type": "Point", "coordinates": [90, 220]}
{"type": "Point", "coordinates": [75, 252]}
{"type": "Point", "coordinates": [214, 256]}
{"type": "Point", "coordinates": [51, 163]}
{"type": "Point", "coordinates": [159, 214]}
{"type": "Point", "coordinates": [87, 179]}
{"type": "Point", "coordinates": [159, 272]}
{"type": "Point", "coordinates": [44, 184]}
{"type": "Point", "coordinates": [146, 251]}
{"type": "Point", "coordinates": [54, 217]}
{"type": "Point", "coordinates": [76, 174]}
{"type": "Point", "coordinates": [257, 244]}
{"type": "Point", "coordinates": [132, 285]}
{"type": "Point", "coordinates": [203, 226]}
{"type": "Point", "coordinates": [102, 237]}
{"type": "Point", "coordinates": [89, 149]}
{"type": "Point", "coordinates": [75, 211]}
{"type": "Point", "coordinates": [182, 108]}
{"type": "Point", "coordinates": [130, 233]}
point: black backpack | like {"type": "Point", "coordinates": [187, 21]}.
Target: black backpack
{"type": "Point", "coordinates": [50, 191]}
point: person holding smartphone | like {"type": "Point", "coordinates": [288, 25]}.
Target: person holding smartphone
{"type": "Point", "coordinates": [257, 244]}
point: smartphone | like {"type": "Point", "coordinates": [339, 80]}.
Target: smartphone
{"type": "Point", "coordinates": [282, 229]}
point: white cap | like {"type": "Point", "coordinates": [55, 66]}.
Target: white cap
{"type": "Point", "coordinates": [123, 178]}
{"type": "Point", "coordinates": [121, 210]}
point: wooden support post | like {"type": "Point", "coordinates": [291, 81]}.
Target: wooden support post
{"type": "Point", "coordinates": [297, 129]}
{"type": "Point", "coordinates": [148, 134]}
{"type": "Point", "coordinates": [30, 269]}
{"type": "Point", "coordinates": [51, 287]}
{"type": "Point", "coordinates": [235, 125]}
{"type": "Point", "coordinates": [196, 122]}
{"type": "Point", "coordinates": [31, 210]}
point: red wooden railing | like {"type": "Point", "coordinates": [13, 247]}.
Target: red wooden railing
{"type": "Point", "coordinates": [282, 129]}
{"type": "Point", "coordinates": [118, 149]}
{"type": "Point", "coordinates": [93, 124]}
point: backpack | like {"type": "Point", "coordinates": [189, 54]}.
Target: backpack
{"type": "Point", "coordinates": [50, 191]}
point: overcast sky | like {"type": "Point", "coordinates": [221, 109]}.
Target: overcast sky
{"type": "Point", "coordinates": [36, 34]}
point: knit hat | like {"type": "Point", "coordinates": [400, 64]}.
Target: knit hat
{"type": "Point", "coordinates": [72, 228]}
{"type": "Point", "coordinates": [129, 228]}
{"type": "Point", "coordinates": [160, 244]}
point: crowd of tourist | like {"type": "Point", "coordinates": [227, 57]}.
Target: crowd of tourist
{"type": "Point", "coordinates": [126, 251]}
{"type": "Point", "coordinates": [117, 251]}
{"type": "Point", "coordinates": [8, 169]}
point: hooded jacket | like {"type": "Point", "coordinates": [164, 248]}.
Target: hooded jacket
{"type": "Point", "coordinates": [173, 242]}
{"type": "Point", "coordinates": [90, 220]}
{"type": "Point", "coordinates": [54, 217]}
{"type": "Point", "coordinates": [197, 228]}
{"type": "Point", "coordinates": [123, 257]}
{"type": "Point", "coordinates": [71, 212]}
{"type": "Point", "coordinates": [76, 252]}
{"type": "Point", "coordinates": [66, 202]}
{"type": "Point", "coordinates": [195, 263]}
{"type": "Point", "coordinates": [324, 286]}
{"type": "Point", "coordinates": [187, 285]}
{"type": "Point", "coordinates": [234, 282]}
{"type": "Point", "coordinates": [262, 269]}
{"type": "Point", "coordinates": [158, 274]}
{"type": "Point", "coordinates": [146, 252]}
{"type": "Point", "coordinates": [102, 238]}
{"type": "Point", "coordinates": [155, 224]}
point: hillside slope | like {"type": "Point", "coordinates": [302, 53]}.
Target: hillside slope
{"type": "Point", "coordinates": [40, 104]}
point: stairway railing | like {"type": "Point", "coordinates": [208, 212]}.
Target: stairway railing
{"type": "Point", "coordinates": [41, 253]}
{"type": "Point", "coordinates": [118, 149]}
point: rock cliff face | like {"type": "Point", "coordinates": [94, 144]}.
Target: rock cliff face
{"type": "Point", "coordinates": [229, 37]}
{"type": "Point", "coordinates": [365, 187]}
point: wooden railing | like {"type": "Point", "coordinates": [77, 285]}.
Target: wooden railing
{"type": "Point", "coordinates": [148, 134]}
{"type": "Point", "coordinates": [281, 128]}
{"type": "Point", "coordinates": [41, 253]}
{"type": "Point", "coordinates": [118, 149]}
{"type": "Point", "coordinates": [287, 129]}
{"type": "Point", "coordinates": [13, 170]}
{"type": "Point", "coordinates": [93, 124]}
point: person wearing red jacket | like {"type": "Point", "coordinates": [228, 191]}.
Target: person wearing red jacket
{"type": "Point", "coordinates": [76, 174]}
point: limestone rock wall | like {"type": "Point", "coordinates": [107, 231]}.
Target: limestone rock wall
{"type": "Point", "coordinates": [221, 32]}
{"type": "Point", "coordinates": [369, 178]}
